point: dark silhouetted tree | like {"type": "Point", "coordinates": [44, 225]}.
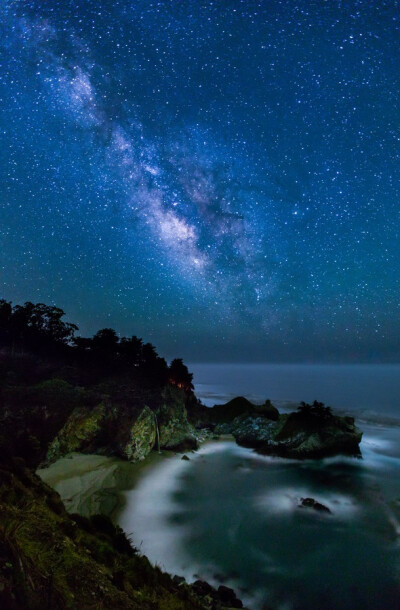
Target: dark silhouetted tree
{"type": "Point", "coordinates": [131, 351]}
{"type": "Point", "coordinates": [105, 340]}
{"type": "Point", "coordinates": [5, 322]}
{"type": "Point", "coordinates": [178, 374]}
{"type": "Point", "coordinates": [83, 343]}
{"type": "Point", "coordinates": [153, 369]}
{"type": "Point", "coordinates": [34, 326]}
{"type": "Point", "coordinates": [316, 410]}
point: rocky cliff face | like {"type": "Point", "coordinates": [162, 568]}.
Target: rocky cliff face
{"type": "Point", "coordinates": [130, 431]}
{"type": "Point", "coordinates": [142, 436]}
{"type": "Point", "coordinates": [175, 431]}
{"type": "Point", "coordinates": [80, 432]}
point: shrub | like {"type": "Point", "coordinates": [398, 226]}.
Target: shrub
{"type": "Point", "coordinates": [315, 410]}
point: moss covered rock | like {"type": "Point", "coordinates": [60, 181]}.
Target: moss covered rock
{"type": "Point", "coordinates": [142, 436]}
{"type": "Point", "coordinates": [299, 436]}
{"type": "Point", "coordinates": [79, 433]}
{"type": "Point", "coordinates": [176, 433]}
{"type": "Point", "coordinates": [129, 428]}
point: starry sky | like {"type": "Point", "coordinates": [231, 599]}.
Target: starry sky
{"type": "Point", "coordinates": [218, 177]}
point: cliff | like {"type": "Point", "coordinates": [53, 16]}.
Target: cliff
{"type": "Point", "coordinates": [130, 429]}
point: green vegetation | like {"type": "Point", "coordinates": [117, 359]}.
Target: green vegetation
{"type": "Point", "coordinates": [39, 330]}
{"type": "Point", "coordinates": [50, 559]}
{"type": "Point", "coordinates": [315, 418]}
{"type": "Point", "coordinates": [179, 375]}
{"type": "Point", "coordinates": [316, 410]}
{"type": "Point", "coordinates": [309, 418]}
{"type": "Point", "coordinates": [93, 390]}
{"type": "Point", "coordinates": [114, 396]}
{"type": "Point", "coordinates": [59, 393]}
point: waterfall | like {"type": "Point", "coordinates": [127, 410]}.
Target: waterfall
{"type": "Point", "coordinates": [157, 432]}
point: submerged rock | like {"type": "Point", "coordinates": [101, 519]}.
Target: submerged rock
{"type": "Point", "coordinates": [311, 503]}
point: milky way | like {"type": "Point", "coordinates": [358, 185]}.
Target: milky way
{"type": "Point", "coordinates": [220, 178]}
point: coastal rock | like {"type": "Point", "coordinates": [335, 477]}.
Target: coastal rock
{"type": "Point", "coordinates": [268, 410]}
{"type": "Point", "coordinates": [227, 597]}
{"type": "Point", "coordinates": [202, 588]}
{"type": "Point", "coordinates": [223, 597]}
{"type": "Point", "coordinates": [307, 433]}
{"type": "Point", "coordinates": [128, 428]}
{"type": "Point", "coordinates": [107, 430]}
{"type": "Point", "coordinates": [79, 433]}
{"type": "Point", "coordinates": [249, 431]}
{"type": "Point", "coordinates": [241, 407]}
{"type": "Point", "coordinates": [311, 503]}
{"type": "Point", "coordinates": [142, 436]}
{"type": "Point", "coordinates": [174, 429]}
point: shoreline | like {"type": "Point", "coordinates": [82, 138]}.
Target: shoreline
{"type": "Point", "coordinates": [107, 480]}
{"type": "Point", "coordinates": [92, 483]}
{"type": "Point", "coordinates": [87, 480]}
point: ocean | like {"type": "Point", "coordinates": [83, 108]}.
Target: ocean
{"type": "Point", "coordinates": [231, 516]}
{"type": "Point", "coordinates": [363, 389]}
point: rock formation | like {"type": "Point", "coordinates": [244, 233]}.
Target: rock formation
{"type": "Point", "coordinates": [310, 432]}
{"type": "Point", "coordinates": [130, 430]}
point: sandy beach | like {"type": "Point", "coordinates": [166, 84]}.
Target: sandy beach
{"type": "Point", "coordinates": [90, 484]}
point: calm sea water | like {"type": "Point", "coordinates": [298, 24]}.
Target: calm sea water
{"type": "Point", "coordinates": [369, 389]}
{"type": "Point", "coordinates": [231, 516]}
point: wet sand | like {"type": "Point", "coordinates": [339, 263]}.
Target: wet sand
{"type": "Point", "coordinates": [90, 484]}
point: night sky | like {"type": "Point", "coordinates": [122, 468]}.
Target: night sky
{"type": "Point", "coordinates": [220, 178]}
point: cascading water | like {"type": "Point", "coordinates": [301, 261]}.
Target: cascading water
{"type": "Point", "coordinates": [157, 432]}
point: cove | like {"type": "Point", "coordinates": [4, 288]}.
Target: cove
{"type": "Point", "coordinates": [231, 516]}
